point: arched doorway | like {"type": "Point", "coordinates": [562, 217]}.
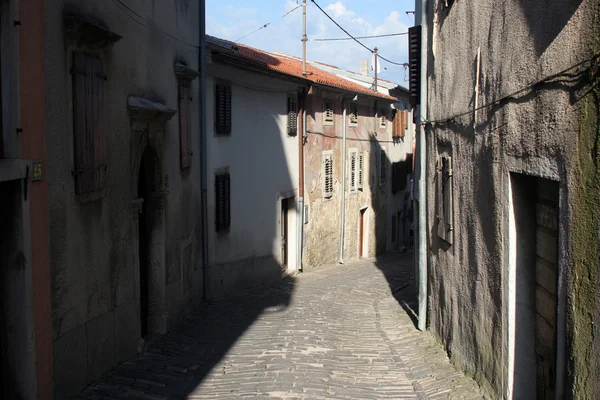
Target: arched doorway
{"type": "Point", "coordinates": [149, 238]}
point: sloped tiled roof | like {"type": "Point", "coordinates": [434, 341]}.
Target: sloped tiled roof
{"type": "Point", "coordinates": [286, 65]}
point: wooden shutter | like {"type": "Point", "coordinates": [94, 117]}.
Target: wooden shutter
{"type": "Point", "coordinates": [185, 126]}
{"type": "Point", "coordinates": [223, 109]}
{"type": "Point", "coordinates": [222, 202]}
{"type": "Point", "coordinates": [292, 116]}
{"type": "Point", "coordinates": [328, 175]}
{"type": "Point", "coordinates": [353, 171]}
{"type": "Point", "coordinates": [328, 111]}
{"type": "Point", "coordinates": [414, 63]}
{"type": "Point", "coordinates": [360, 171]}
{"type": "Point", "coordinates": [88, 123]}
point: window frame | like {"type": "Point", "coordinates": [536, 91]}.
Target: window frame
{"type": "Point", "coordinates": [327, 156]}
{"type": "Point", "coordinates": [445, 194]}
{"type": "Point", "coordinates": [223, 93]}
{"type": "Point", "coordinates": [88, 87]}
{"type": "Point", "coordinates": [327, 121]}
{"type": "Point", "coordinates": [353, 115]}
{"type": "Point", "coordinates": [382, 178]}
{"type": "Point", "coordinates": [292, 114]}
{"type": "Point", "coordinates": [222, 216]}
{"type": "Point", "coordinates": [353, 170]}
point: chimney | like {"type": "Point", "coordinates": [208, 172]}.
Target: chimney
{"type": "Point", "coordinates": [364, 67]}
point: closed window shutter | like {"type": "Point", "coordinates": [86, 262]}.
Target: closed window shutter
{"type": "Point", "coordinates": [328, 175]}
{"type": "Point", "coordinates": [414, 63]}
{"type": "Point", "coordinates": [185, 128]}
{"type": "Point", "coordinates": [353, 171]}
{"type": "Point", "coordinates": [328, 111]}
{"type": "Point", "coordinates": [292, 117]}
{"type": "Point", "coordinates": [223, 109]}
{"type": "Point", "coordinates": [360, 171]}
{"type": "Point", "coordinates": [88, 123]}
{"type": "Point", "coordinates": [223, 202]}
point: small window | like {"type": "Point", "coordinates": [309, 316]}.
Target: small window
{"type": "Point", "coordinates": [353, 170]}
{"type": "Point", "coordinates": [327, 112]}
{"type": "Point", "coordinates": [394, 226]}
{"type": "Point", "coordinates": [327, 174]}
{"type": "Point", "coordinates": [361, 174]}
{"type": "Point", "coordinates": [353, 114]}
{"type": "Point", "coordinates": [223, 109]}
{"type": "Point", "coordinates": [382, 118]}
{"type": "Point", "coordinates": [89, 83]}
{"type": "Point", "coordinates": [222, 202]}
{"type": "Point", "coordinates": [292, 112]}
{"type": "Point", "coordinates": [185, 126]}
{"type": "Point", "coordinates": [445, 198]}
{"type": "Point", "coordinates": [382, 167]}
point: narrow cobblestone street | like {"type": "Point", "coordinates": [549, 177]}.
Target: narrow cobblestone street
{"type": "Point", "coordinates": [342, 332]}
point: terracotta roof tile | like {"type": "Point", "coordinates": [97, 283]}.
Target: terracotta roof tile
{"type": "Point", "coordinates": [286, 65]}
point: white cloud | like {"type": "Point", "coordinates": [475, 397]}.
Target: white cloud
{"type": "Point", "coordinates": [285, 34]}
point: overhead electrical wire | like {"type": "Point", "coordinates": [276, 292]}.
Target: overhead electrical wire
{"type": "Point", "coordinates": [359, 37]}
{"type": "Point", "coordinates": [148, 24]}
{"type": "Point", "coordinates": [352, 37]}
{"type": "Point", "coordinates": [269, 23]}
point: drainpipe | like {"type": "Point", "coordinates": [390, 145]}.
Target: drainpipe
{"type": "Point", "coordinates": [421, 19]}
{"type": "Point", "coordinates": [203, 161]}
{"type": "Point", "coordinates": [300, 220]}
{"type": "Point", "coordinates": [343, 220]}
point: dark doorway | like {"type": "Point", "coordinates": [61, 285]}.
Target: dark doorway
{"type": "Point", "coordinates": [535, 204]}
{"type": "Point", "coordinates": [284, 233]}
{"type": "Point", "coordinates": [361, 232]}
{"type": "Point", "coordinates": [145, 187]}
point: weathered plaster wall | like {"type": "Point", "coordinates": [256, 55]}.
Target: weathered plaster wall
{"type": "Point", "coordinates": [538, 131]}
{"type": "Point", "coordinates": [322, 233]}
{"type": "Point", "coordinates": [95, 285]}
{"type": "Point", "coordinates": [262, 160]}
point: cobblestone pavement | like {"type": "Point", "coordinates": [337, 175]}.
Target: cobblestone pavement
{"type": "Point", "coordinates": [342, 332]}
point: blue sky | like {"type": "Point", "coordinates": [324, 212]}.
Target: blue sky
{"type": "Point", "coordinates": [233, 19]}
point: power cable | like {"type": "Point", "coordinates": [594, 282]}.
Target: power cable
{"type": "Point", "coordinates": [269, 23]}
{"type": "Point", "coordinates": [359, 37]}
{"type": "Point", "coordinates": [352, 37]}
{"type": "Point", "coordinates": [592, 61]}
{"type": "Point", "coordinates": [125, 8]}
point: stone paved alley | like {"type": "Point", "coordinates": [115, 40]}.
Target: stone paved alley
{"type": "Point", "coordinates": [342, 332]}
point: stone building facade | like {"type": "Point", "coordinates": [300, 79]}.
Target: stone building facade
{"type": "Point", "coordinates": [123, 174]}
{"type": "Point", "coordinates": [513, 183]}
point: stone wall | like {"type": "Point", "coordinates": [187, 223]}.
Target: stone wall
{"type": "Point", "coordinates": [94, 245]}
{"type": "Point", "coordinates": [543, 130]}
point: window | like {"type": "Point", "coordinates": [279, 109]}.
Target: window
{"type": "Point", "coordinates": [223, 109]}
{"type": "Point", "coordinates": [445, 198]}
{"type": "Point", "coordinates": [382, 118]}
{"type": "Point", "coordinates": [414, 63]}
{"type": "Point", "coordinates": [382, 167]}
{"type": "Point", "coordinates": [399, 173]}
{"type": "Point", "coordinates": [292, 110]}
{"type": "Point", "coordinates": [361, 164]}
{"type": "Point", "coordinates": [327, 112]}
{"type": "Point", "coordinates": [185, 125]}
{"type": "Point", "coordinates": [222, 202]}
{"type": "Point", "coordinates": [88, 123]}
{"type": "Point", "coordinates": [327, 173]}
{"type": "Point", "coordinates": [399, 124]}
{"type": "Point", "coordinates": [353, 170]}
{"type": "Point", "coordinates": [393, 228]}
{"type": "Point", "coordinates": [353, 114]}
